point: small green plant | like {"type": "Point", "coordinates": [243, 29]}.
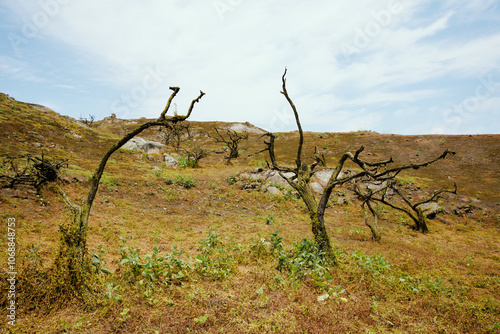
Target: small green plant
{"type": "Point", "coordinates": [261, 163]}
{"type": "Point", "coordinates": [213, 184]}
{"type": "Point", "coordinates": [276, 242]}
{"type": "Point", "coordinates": [216, 259]}
{"type": "Point", "coordinates": [98, 265]}
{"type": "Point", "coordinates": [153, 268]}
{"type": "Point", "coordinates": [201, 319]}
{"type": "Point", "coordinates": [260, 247]}
{"type": "Point", "coordinates": [260, 292]}
{"type": "Point", "coordinates": [289, 194]}
{"type": "Point", "coordinates": [375, 265]}
{"type": "Point", "coordinates": [232, 179]}
{"type": "Point", "coordinates": [356, 231]}
{"type": "Point", "coordinates": [441, 142]}
{"type": "Point", "coordinates": [495, 328]}
{"type": "Point", "coordinates": [187, 182]}
{"type": "Point", "coordinates": [270, 219]}
{"type": "Point", "coordinates": [34, 256]}
{"type": "Point", "coordinates": [111, 292]}
{"type": "Point", "coordinates": [303, 260]}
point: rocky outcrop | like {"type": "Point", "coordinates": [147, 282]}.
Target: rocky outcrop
{"type": "Point", "coordinates": [147, 146]}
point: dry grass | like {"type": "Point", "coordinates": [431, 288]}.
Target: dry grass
{"type": "Point", "coordinates": [447, 281]}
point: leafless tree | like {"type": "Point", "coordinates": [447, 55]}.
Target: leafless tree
{"type": "Point", "coordinates": [174, 136]}
{"type": "Point", "coordinates": [29, 170]}
{"type": "Point", "coordinates": [232, 140]}
{"type": "Point", "coordinates": [72, 264]}
{"type": "Point", "coordinates": [299, 177]}
{"type": "Point", "coordinates": [194, 155]}
{"type": "Point", "coordinates": [88, 121]}
{"type": "Point", "coordinates": [413, 210]}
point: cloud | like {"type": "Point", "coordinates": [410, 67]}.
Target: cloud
{"type": "Point", "coordinates": [18, 69]}
{"type": "Point", "coordinates": [401, 54]}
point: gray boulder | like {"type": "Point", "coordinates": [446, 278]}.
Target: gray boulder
{"type": "Point", "coordinates": [147, 146]}
{"type": "Point", "coordinates": [429, 209]}
{"type": "Point", "coordinates": [170, 161]}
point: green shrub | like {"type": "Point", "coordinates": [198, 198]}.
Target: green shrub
{"type": "Point", "coordinates": [216, 259]}
{"type": "Point", "coordinates": [375, 265]}
{"type": "Point", "coordinates": [154, 268]}
{"type": "Point", "coordinates": [304, 259]}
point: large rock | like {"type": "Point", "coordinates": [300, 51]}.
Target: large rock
{"type": "Point", "coordinates": [323, 176]}
{"type": "Point", "coordinates": [275, 178]}
{"type": "Point", "coordinates": [170, 161]}
{"type": "Point", "coordinates": [316, 187]}
{"type": "Point", "coordinates": [429, 209]}
{"type": "Point", "coordinates": [147, 146]}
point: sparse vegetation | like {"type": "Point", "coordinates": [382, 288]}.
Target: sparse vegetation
{"type": "Point", "coordinates": [178, 250]}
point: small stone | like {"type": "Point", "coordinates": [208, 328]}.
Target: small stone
{"type": "Point", "coordinates": [273, 191]}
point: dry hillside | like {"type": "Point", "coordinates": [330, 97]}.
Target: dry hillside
{"type": "Point", "coordinates": [242, 268]}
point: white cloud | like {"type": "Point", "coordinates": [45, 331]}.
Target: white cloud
{"type": "Point", "coordinates": [238, 56]}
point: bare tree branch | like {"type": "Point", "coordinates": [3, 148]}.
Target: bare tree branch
{"type": "Point", "coordinates": [296, 114]}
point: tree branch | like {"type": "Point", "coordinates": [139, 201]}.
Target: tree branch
{"type": "Point", "coordinates": [296, 114]}
{"type": "Point", "coordinates": [174, 93]}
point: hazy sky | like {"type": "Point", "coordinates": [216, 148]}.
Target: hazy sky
{"type": "Point", "coordinates": [390, 66]}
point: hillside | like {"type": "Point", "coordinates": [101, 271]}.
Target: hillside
{"type": "Point", "coordinates": [445, 281]}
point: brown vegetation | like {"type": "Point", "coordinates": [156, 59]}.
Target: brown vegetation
{"type": "Point", "coordinates": [239, 279]}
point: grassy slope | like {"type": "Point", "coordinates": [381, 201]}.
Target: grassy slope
{"type": "Point", "coordinates": [447, 281]}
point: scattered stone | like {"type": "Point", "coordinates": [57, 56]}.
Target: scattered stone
{"type": "Point", "coordinates": [273, 191]}
{"type": "Point", "coordinates": [170, 161]}
{"type": "Point", "coordinates": [341, 201]}
{"type": "Point", "coordinates": [37, 144]}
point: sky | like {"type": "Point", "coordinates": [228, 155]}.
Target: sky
{"type": "Point", "coordinates": [401, 67]}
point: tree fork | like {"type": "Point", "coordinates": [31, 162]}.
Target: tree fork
{"type": "Point", "coordinates": [72, 263]}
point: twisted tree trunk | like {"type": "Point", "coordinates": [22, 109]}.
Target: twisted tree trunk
{"type": "Point", "coordinates": [73, 263]}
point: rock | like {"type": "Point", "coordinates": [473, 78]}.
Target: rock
{"type": "Point", "coordinates": [376, 186]}
{"type": "Point", "coordinates": [275, 178]}
{"type": "Point", "coordinates": [429, 209]}
{"type": "Point", "coordinates": [245, 127]}
{"type": "Point", "coordinates": [341, 201]}
{"type": "Point", "coordinates": [37, 144]}
{"type": "Point", "coordinates": [464, 199]}
{"type": "Point", "coordinates": [323, 176]}
{"type": "Point", "coordinates": [316, 187]}
{"type": "Point", "coordinates": [170, 161]}
{"type": "Point", "coordinates": [273, 191]}
{"type": "Point", "coordinates": [147, 146]}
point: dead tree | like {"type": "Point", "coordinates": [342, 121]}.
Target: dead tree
{"type": "Point", "coordinates": [30, 170]}
{"type": "Point", "coordinates": [299, 177]}
{"type": "Point", "coordinates": [413, 210]}
{"type": "Point", "coordinates": [72, 263]}
{"type": "Point", "coordinates": [231, 139]}
{"type": "Point", "coordinates": [194, 156]}
{"type": "Point", "coordinates": [88, 121]}
{"type": "Point", "coordinates": [175, 135]}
